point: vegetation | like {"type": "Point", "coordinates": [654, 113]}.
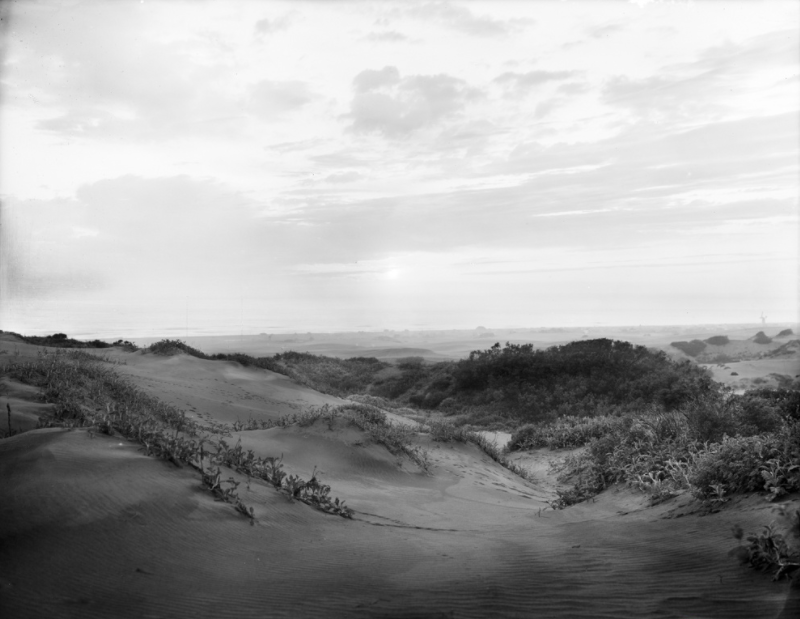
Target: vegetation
{"type": "Point", "coordinates": [785, 332]}
{"type": "Point", "coordinates": [693, 348]}
{"type": "Point", "coordinates": [501, 387]}
{"type": "Point", "coordinates": [715, 446]}
{"type": "Point", "coordinates": [762, 338]}
{"type": "Point", "coordinates": [58, 340]}
{"type": "Point", "coordinates": [126, 345]}
{"type": "Point", "coordinates": [656, 424]}
{"type": "Point", "coordinates": [718, 340]}
{"type": "Point", "coordinates": [87, 392]}
{"type": "Point", "coordinates": [587, 378]}
{"type": "Point", "coordinates": [173, 347]}
{"type": "Point", "coordinates": [771, 549]}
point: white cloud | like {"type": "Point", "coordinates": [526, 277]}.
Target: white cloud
{"type": "Point", "coordinates": [394, 106]}
{"type": "Point", "coordinates": [162, 148]}
{"type": "Point", "coordinates": [269, 98]}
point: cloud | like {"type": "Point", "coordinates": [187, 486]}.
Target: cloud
{"type": "Point", "coordinates": [393, 106]}
{"type": "Point", "coordinates": [637, 187]}
{"type": "Point", "coordinates": [573, 88]}
{"type": "Point", "coordinates": [343, 177]}
{"type": "Point", "coordinates": [459, 17]}
{"type": "Point", "coordinates": [270, 26]}
{"type": "Point", "coordinates": [269, 98]}
{"type": "Point", "coordinates": [603, 31]}
{"type": "Point", "coordinates": [371, 79]}
{"type": "Point", "coordinates": [545, 107]}
{"type": "Point", "coordinates": [525, 81]}
{"type": "Point", "coordinates": [108, 75]}
{"type": "Point", "coordinates": [388, 36]}
{"type": "Point", "coordinates": [708, 87]}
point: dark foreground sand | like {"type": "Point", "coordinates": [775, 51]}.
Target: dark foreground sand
{"type": "Point", "coordinates": [90, 527]}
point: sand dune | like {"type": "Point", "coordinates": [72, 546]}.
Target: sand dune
{"type": "Point", "coordinates": [90, 527]}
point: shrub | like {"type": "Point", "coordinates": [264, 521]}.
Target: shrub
{"type": "Point", "coordinates": [565, 432]}
{"type": "Point", "coordinates": [762, 338]}
{"type": "Point", "coordinates": [693, 348]}
{"type": "Point", "coordinates": [126, 345]}
{"type": "Point", "coordinates": [785, 332]}
{"type": "Point", "coordinates": [786, 401]}
{"type": "Point", "coordinates": [718, 340]}
{"type": "Point", "coordinates": [735, 465]}
{"type": "Point", "coordinates": [173, 347]}
{"type": "Point", "coordinates": [445, 432]}
{"type": "Point", "coordinates": [714, 446]}
{"type": "Point", "coordinates": [709, 419]}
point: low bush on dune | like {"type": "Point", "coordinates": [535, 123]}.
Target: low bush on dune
{"type": "Point", "coordinates": [785, 333]}
{"type": "Point", "coordinates": [87, 392]}
{"type": "Point", "coordinates": [174, 347]}
{"type": "Point", "coordinates": [762, 338]}
{"type": "Point", "coordinates": [376, 401]}
{"type": "Point", "coordinates": [693, 348]}
{"type": "Point", "coordinates": [339, 377]}
{"type": "Point", "coordinates": [712, 447]}
{"type": "Point", "coordinates": [718, 340]}
{"type": "Point", "coordinates": [568, 431]}
{"type": "Point", "coordinates": [126, 345]}
{"type": "Point", "coordinates": [777, 547]}
{"type": "Point", "coordinates": [517, 383]}
{"type": "Point", "coordinates": [443, 431]}
{"type": "Point", "coordinates": [397, 438]}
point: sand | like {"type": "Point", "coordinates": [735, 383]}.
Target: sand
{"type": "Point", "coordinates": [90, 527]}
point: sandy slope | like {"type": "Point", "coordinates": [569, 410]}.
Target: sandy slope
{"type": "Point", "coordinates": [90, 527]}
{"type": "Point", "coordinates": [754, 373]}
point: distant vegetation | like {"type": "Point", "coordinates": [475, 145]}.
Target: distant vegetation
{"type": "Point", "coordinates": [718, 340]}
{"type": "Point", "coordinates": [762, 338]}
{"type": "Point", "coordinates": [59, 340]}
{"type": "Point", "coordinates": [693, 348]}
{"type": "Point", "coordinates": [785, 332]}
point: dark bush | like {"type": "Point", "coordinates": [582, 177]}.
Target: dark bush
{"type": "Point", "coordinates": [173, 347]}
{"type": "Point", "coordinates": [693, 348]}
{"type": "Point", "coordinates": [785, 332]}
{"type": "Point", "coordinates": [718, 340]}
{"type": "Point", "coordinates": [762, 338]}
{"type": "Point", "coordinates": [130, 346]}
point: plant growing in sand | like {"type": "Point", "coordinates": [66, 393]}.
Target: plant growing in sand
{"type": "Point", "coordinates": [86, 392]}
{"type": "Point", "coordinates": [713, 447]}
{"type": "Point", "coordinates": [771, 549]}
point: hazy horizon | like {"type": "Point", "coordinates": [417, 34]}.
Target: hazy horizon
{"type": "Point", "coordinates": [592, 331]}
{"type": "Point", "coordinates": [246, 167]}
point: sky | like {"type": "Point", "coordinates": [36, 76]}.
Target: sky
{"type": "Point", "coordinates": [190, 168]}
